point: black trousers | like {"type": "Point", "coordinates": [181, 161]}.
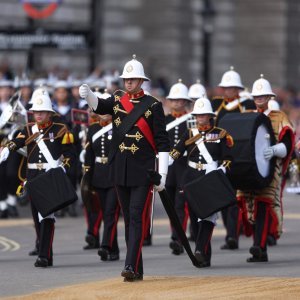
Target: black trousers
{"type": "Point", "coordinates": [134, 203]}
{"type": "Point", "coordinates": [111, 211]}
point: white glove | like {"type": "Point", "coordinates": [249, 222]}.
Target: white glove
{"type": "Point", "coordinates": [86, 93]}
{"type": "Point", "coordinates": [278, 150]}
{"type": "Point", "coordinates": [82, 156]}
{"type": "Point", "coordinates": [163, 164]}
{"type": "Point", "coordinates": [211, 167]}
{"type": "Point", "coordinates": [171, 160]}
{"type": "Point", "coordinates": [4, 154]}
{"type": "Point", "coordinates": [222, 168]}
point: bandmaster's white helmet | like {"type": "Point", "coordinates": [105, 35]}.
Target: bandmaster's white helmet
{"type": "Point", "coordinates": [41, 100]}
{"type": "Point", "coordinates": [197, 90]}
{"type": "Point", "coordinates": [262, 87]}
{"type": "Point", "coordinates": [202, 106]}
{"type": "Point", "coordinates": [133, 69]}
{"type": "Point", "coordinates": [231, 78]}
{"type": "Point", "coordinates": [178, 91]}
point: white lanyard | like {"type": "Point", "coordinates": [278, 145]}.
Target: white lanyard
{"type": "Point", "coordinates": [44, 149]}
{"type": "Point", "coordinates": [101, 132]}
{"type": "Point", "coordinates": [202, 148]}
{"type": "Point", "coordinates": [178, 121]}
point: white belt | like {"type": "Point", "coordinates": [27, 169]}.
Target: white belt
{"type": "Point", "coordinates": [197, 166]}
{"type": "Point", "coordinates": [38, 166]}
{"type": "Point", "coordinates": [101, 160]}
{"type": "Point", "coordinates": [42, 166]}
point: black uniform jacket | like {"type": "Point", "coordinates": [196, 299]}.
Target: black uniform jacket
{"type": "Point", "coordinates": [135, 155]}
{"type": "Point", "coordinates": [100, 149]}
{"type": "Point", "coordinates": [177, 169]}
{"type": "Point", "coordinates": [217, 142]}
{"type": "Point", "coordinates": [219, 106]}
{"type": "Point", "coordinates": [57, 139]}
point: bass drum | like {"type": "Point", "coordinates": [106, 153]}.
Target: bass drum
{"type": "Point", "coordinates": [251, 133]}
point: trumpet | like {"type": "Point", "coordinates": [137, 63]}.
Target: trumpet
{"type": "Point", "coordinates": [15, 115]}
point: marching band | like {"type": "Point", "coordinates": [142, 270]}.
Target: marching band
{"type": "Point", "coordinates": [109, 142]}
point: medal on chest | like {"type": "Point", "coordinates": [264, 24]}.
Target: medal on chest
{"type": "Point", "coordinates": [51, 136]}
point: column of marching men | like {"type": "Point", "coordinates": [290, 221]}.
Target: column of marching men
{"type": "Point", "coordinates": [113, 162]}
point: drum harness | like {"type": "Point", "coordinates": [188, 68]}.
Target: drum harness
{"type": "Point", "coordinates": [51, 163]}
{"type": "Point", "coordinates": [211, 164]}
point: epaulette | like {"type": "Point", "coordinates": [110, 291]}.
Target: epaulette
{"type": "Point", "coordinates": [193, 139]}
{"type": "Point", "coordinates": [119, 91]}
{"type": "Point", "coordinates": [68, 138]}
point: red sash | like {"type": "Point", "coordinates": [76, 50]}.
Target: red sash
{"type": "Point", "coordinates": [141, 123]}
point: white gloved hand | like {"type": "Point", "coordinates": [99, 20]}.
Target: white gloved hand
{"type": "Point", "coordinates": [82, 156]}
{"type": "Point", "coordinates": [162, 184]}
{"type": "Point", "coordinates": [278, 150]}
{"type": "Point", "coordinates": [163, 165]}
{"type": "Point", "coordinates": [4, 154]}
{"type": "Point", "coordinates": [86, 93]}
{"type": "Point", "coordinates": [222, 168]}
{"type": "Point", "coordinates": [171, 160]}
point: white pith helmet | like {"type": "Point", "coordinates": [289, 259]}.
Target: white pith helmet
{"type": "Point", "coordinates": [262, 87]}
{"type": "Point", "coordinates": [273, 104]}
{"type": "Point", "coordinates": [41, 100]}
{"type": "Point", "coordinates": [133, 69]}
{"type": "Point", "coordinates": [178, 91]}
{"type": "Point", "coordinates": [197, 90]}
{"type": "Point", "coordinates": [245, 94]}
{"type": "Point", "coordinates": [202, 106]}
{"type": "Point", "coordinates": [231, 79]}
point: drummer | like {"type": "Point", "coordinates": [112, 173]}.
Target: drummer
{"type": "Point", "coordinates": [264, 206]}
{"type": "Point", "coordinates": [46, 143]}
{"type": "Point", "coordinates": [232, 101]}
{"type": "Point", "coordinates": [205, 143]}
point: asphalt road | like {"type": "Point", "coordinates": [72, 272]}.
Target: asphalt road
{"type": "Point", "coordinates": [74, 265]}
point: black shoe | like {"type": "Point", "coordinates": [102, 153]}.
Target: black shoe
{"type": "Point", "coordinates": [34, 252]}
{"type": "Point", "coordinates": [112, 256]}
{"type": "Point", "coordinates": [203, 261]}
{"type": "Point", "coordinates": [103, 253]}
{"type": "Point", "coordinates": [92, 242]}
{"type": "Point", "coordinates": [43, 262]}
{"type": "Point", "coordinates": [271, 241]}
{"type": "Point", "coordinates": [258, 255]}
{"type": "Point", "coordinates": [177, 247]}
{"type": "Point", "coordinates": [128, 272]}
{"type": "Point", "coordinates": [231, 244]}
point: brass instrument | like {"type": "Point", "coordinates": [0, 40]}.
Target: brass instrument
{"type": "Point", "coordinates": [14, 114]}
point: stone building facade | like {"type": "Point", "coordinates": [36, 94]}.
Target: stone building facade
{"type": "Point", "coordinates": [167, 36]}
